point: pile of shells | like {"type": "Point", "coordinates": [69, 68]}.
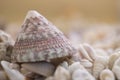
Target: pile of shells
{"type": "Point", "coordinates": [42, 52]}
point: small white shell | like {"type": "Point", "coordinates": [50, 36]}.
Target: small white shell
{"type": "Point", "coordinates": [75, 66]}
{"type": "Point", "coordinates": [107, 75]}
{"type": "Point", "coordinates": [90, 50]}
{"type": "Point", "coordinates": [100, 64]}
{"type": "Point", "coordinates": [116, 68]}
{"type": "Point", "coordinates": [61, 74]}
{"type": "Point", "coordinates": [83, 53]}
{"type": "Point", "coordinates": [82, 75]}
{"type": "Point", "coordinates": [13, 74]}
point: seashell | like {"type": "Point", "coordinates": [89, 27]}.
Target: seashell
{"type": "Point", "coordinates": [99, 64]}
{"type": "Point", "coordinates": [116, 68]}
{"type": "Point", "coordinates": [113, 58]}
{"type": "Point", "coordinates": [61, 74]}
{"type": "Point", "coordinates": [84, 53]}
{"type": "Point", "coordinates": [107, 74]}
{"type": "Point", "coordinates": [90, 50]}
{"type": "Point", "coordinates": [3, 75]}
{"type": "Point", "coordinates": [80, 74]}
{"type": "Point", "coordinates": [41, 68]}
{"type": "Point", "coordinates": [6, 45]}
{"type": "Point", "coordinates": [12, 74]}
{"type": "Point", "coordinates": [75, 66]}
{"type": "Point", "coordinates": [40, 40]}
{"type": "Point", "coordinates": [87, 64]}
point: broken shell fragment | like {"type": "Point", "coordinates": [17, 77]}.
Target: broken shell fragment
{"type": "Point", "coordinates": [82, 75]}
{"type": "Point", "coordinates": [61, 74]}
{"type": "Point", "coordinates": [12, 74]}
{"type": "Point", "coordinates": [41, 68]}
{"type": "Point", "coordinates": [40, 40]}
{"type": "Point", "coordinates": [107, 74]}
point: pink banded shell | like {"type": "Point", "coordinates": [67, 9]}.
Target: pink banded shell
{"type": "Point", "coordinates": [40, 40]}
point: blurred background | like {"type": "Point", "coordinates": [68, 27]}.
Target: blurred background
{"type": "Point", "coordinates": [81, 20]}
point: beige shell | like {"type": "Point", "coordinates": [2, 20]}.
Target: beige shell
{"type": "Point", "coordinates": [116, 68]}
{"type": "Point", "coordinates": [80, 74]}
{"type": "Point", "coordinates": [40, 40]}
{"type": "Point", "coordinates": [107, 74]}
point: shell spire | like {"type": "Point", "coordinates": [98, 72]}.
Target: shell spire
{"type": "Point", "coordinates": [40, 40]}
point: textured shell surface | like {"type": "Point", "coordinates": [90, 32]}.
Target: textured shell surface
{"type": "Point", "coordinates": [40, 40]}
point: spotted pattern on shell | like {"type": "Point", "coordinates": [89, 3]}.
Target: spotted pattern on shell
{"type": "Point", "coordinates": [40, 40]}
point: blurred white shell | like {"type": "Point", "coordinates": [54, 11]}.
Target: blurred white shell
{"type": "Point", "coordinates": [12, 74]}
{"type": "Point", "coordinates": [113, 57]}
{"type": "Point", "coordinates": [82, 75]}
{"type": "Point", "coordinates": [61, 74]}
{"type": "Point", "coordinates": [41, 68]}
{"type": "Point", "coordinates": [107, 74]}
{"type": "Point", "coordinates": [75, 66]}
{"type": "Point", "coordinates": [99, 64]}
{"type": "Point", "coordinates": [116, 68]}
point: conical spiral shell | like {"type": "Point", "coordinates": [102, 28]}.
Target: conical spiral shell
{"type": "Point", "coordinates": [40, 40]}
